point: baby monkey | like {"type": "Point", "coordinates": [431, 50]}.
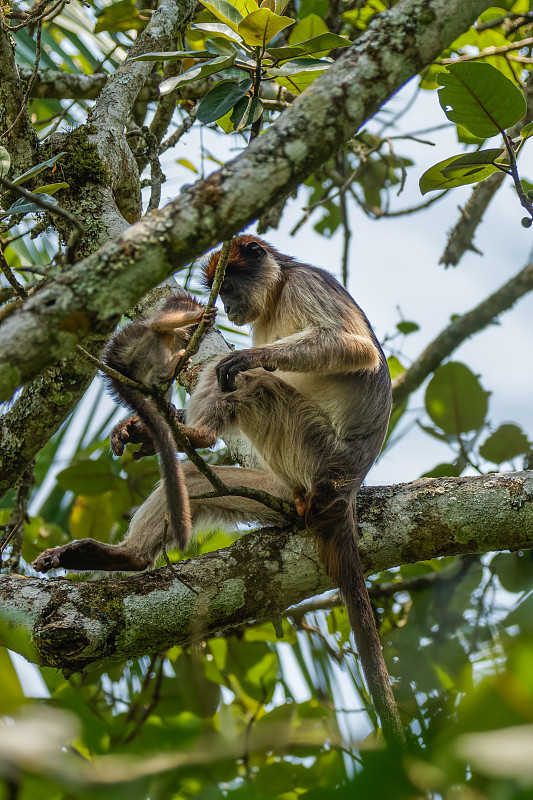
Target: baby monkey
{"type": "Point", "coordinates": [146, 350]}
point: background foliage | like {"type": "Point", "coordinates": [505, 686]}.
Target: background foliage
{"type": "Point", "coordinates": [250, 714]}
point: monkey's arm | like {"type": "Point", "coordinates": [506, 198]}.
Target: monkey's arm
{"type": "Point", "coordinates": [320, 350]}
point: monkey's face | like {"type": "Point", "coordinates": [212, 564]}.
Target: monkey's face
{"type": "Point", "coordinates": [238, 300]}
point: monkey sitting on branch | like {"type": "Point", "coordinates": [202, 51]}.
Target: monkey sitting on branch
{"type": "Point", "coordinates": [313, 396]}
{"type": "Point", "coordinates": [147, 351]}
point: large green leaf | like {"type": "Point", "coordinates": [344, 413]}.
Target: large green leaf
{"type": "Point", "coordinates": [260, 27]}
{"type": "Point", "coordinates": [318, 44]}
{"type": "Point", "coordinates": [298, 74]}
{"type": "Point", "coordinates": [480, 98]}
{"type": "Point", "coordinates": [173, 55]}
{"type": "Point", "coordinates": [473, 161]}
{"type": "Point", "coordinates": [87, 477]}
{"type": "Point", "coordinates": [224, 11]}
{"type": "Point", "coordinates": [198, 71]}
{"type": "Point", "coordinates": [31, 173]}
{"type": "Point", "coordinates": [455, 400]}
{"type": "Point", "coordinates": [507, 442]}
{"type": "Point", "coordinates": [246, 112]}
{"type": "Point", "coordinates": [218, 29]}
{"type": "Point", "coordinates": [310, 26]}
{"type": "Point", "coordinates": [120, 16]}
{"type": "Point", "coordinates": [221, 99]}
{"type": "Point", "coordinates": [433, 179]}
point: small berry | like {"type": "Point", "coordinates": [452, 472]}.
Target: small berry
{"type": "Point", "coordinates": [527, 222]}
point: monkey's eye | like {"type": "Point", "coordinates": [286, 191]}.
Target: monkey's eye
{"type": "Point", "coordinates": [227, 289]}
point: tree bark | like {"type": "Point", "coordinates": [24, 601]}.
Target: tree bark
{"type": "Point", "coordinates": [72, 625]}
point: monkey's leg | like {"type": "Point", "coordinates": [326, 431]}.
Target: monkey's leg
{"type": "Point", "coordinates": [144, 540]}
{"type": "Point", "coordinates": [291, 433]}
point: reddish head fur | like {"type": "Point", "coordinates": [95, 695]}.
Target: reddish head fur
{"type": "Point", "coordinates": [237, 257]}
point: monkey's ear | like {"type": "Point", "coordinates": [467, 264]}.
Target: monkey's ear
{"type": "Point", "coordinates": [255, 249]}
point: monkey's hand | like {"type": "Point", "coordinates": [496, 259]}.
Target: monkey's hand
{"type": "Point", "coordinates": [209, 316]}
{"type": "Point", "coordinates": [132, 431]}
{"type": "Point", "coordinates": [240, 361]}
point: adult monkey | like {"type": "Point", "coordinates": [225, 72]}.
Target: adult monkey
{"type": "Point", "coordinates": [318, 423]}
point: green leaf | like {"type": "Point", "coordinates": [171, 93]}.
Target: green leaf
{"type": "Point", "coordinates": [507, 442]}
{"type": "Point", "coordinates": [198, 71]}
{"type": "Point", "coordinates": [246, 112]}
{"type": "Point", "coordinates": [480, 98]}
{"type": "Point", "coordinates": [298, 74]}
{"type": "Point", "coordinates": [219, 29]}
{"type": "Point", "coordinates": [318, 44]}
{"type": "Point", "coordinates": [245, 7]}
{"type": "Point", "coordinates": [259, 27]}
{"type": "Point", "coordinates": [299, 65]}
{"type": "Point", "coordinates": [527, 131]}
{"type": "Point", "coordinates": [173, 55]}
{"type": "Point", "coordinates": [187, 164]}
{"type": "Point", "coordinates": [407, 327]}
{"type": "Point", "coordinates": [218, 46]}
{"type": "Point", "coordinates": [24, 206]}
{"type": "Point", "coordinates": [433, 179]}
{"type": "Point", "coordinates": [310, 26]}
{"type": "Point", "coordinates": [224, 11]}
{"type": "Point", "coordinates": [455, 400]}
{"type": "Point", "coordinates": [92, 517]}
{"type": "Point", "coordinates": [472, 161]}
{"type": "Point", "coordinates": [37, 169]}
{"type": "Point", "coordinates": [5, 161]}
{"type": "Point", "coordinates": [221, 99]}
{"type": "Point", "coordinates": [395, 366]}
{"type": "Point", "coordinates": [444, 470]}
{"type": "Point", "coordinates": [51, 188]}
{"type": "Point", "coordinates": [513, 571]}
{"type": "Point", "coordinates": [120, 16]}
{"type": "Point", "coordinates": [87, 477]}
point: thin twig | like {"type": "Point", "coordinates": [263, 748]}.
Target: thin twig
{"type": "Point", "coordinates": [170, 565]}
{"type": "Point", "coordinates": [113, 373]}
{"type": "Point", "coordinates": [185, 126]}
{"type": "Point", "coordinates": [74, 239]}
{"type": "Point", "coordinates": [196, 338]}
{"type": "Point", "coordinates": [488, 51]}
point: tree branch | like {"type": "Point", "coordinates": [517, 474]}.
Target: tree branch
{"type": "Point", "coordinates": [16, 131]}
{"type": "Point", "coordinates": [71, 625]}
{"type": "Point", "coordinates": [92, 294]}
{"type": "Point", "coordinates": [458, 331]}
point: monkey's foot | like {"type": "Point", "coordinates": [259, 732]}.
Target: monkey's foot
{"type": "Point", "coordinates": [89, 554]}
{"type": "Point", "coordinates": [132, 431]}
{"type": "Point", "coordinates": [301, 501]}
{"type": "Point", "coordinates": [198, 437]}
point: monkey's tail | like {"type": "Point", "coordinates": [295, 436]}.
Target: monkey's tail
{"type": "Point", "coordinates": [179, 512]}
{"type": "Point", "coordinates": [336, 529]}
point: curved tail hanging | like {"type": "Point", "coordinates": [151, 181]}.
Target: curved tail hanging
{"type": "Point", "coordinates": [339, 552]}
{"type": "Point", "coordinates": [179, 513]}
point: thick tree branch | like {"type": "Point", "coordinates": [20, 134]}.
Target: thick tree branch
{"type": "Point", "coordinates": [16, 131]}
{"type": "Point", "coordinates": [458, 331]}
{"type": "Point", "coordinates": [462, 236]}
{"type": "Point", "coordinates": [109, 115]}
{"type": "Point", "coordinates": [71, 624]}
{"type": "Point", "coordinates": [90, 296]}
